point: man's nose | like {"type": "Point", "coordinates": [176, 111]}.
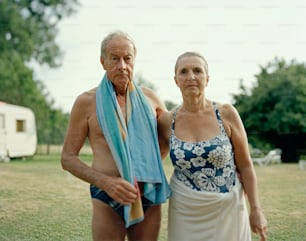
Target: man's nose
{"type": "Point", "coordinates": [122, 64]}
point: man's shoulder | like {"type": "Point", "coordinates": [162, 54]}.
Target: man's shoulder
{"type": "Point", "coordinates": [87, 97]}
{"type": "Point", "coordinates": [88, 94]}
{"type": "Point", "coordinates": [148, 92]}
{"type": "Point", "coordinates": [154, 99]}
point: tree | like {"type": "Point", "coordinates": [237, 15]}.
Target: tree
{"type": "Point", "coordinates": [170, 105]}
{"type": "Point", "coordinates": [274, 110]}
{"type": "Point", "coordinates": [27, 35]}
{"type": "Point", "coordinates": [143, 82]}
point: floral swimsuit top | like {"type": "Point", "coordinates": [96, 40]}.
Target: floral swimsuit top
{"type": "Point", "coordinates": [205, 165]}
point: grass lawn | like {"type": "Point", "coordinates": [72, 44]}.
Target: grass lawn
{"type": "Point", "coordinates": [39, 201]}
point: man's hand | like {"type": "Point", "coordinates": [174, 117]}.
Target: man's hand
{"type": "Point", "coordinates": [120, 190]}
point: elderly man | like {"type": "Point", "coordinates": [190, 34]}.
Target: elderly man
{"type": "Point", "coordinates": [127, 182]}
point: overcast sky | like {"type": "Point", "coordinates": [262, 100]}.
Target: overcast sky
{"type": "Point", "coordinates": [235, 37]}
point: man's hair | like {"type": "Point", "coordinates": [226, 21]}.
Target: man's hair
{"type": "Point", "coordinates": [191, 54]}
{"type": "Point", "coordinates": [117, 33]}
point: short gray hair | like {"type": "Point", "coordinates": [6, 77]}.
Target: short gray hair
{"type": "Point", "coordinates": [191, 54]}
{"type": "Point", "coordinates": [117, 33]}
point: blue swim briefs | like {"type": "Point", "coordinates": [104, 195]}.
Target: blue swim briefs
{"type": "Point", "coordinates": [101, 195]}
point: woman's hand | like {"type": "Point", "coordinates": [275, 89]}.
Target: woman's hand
{"type": "Point", "coordinates": [258, 223]}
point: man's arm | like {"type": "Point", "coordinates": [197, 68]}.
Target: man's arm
{"type": "Point", "coordinates": [76, 135]}
{"type": "Point", "coordinates": [77, 132]}
{"type": "Point", "coordinates": [160, 110]}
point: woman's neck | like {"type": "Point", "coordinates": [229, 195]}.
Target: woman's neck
{"type": "Point", "coordinates": [195, 104]}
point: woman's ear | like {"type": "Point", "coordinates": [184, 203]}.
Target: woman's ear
{"type": "Point", "coordinates": [207, 80]}
{"type": "Point", "coordinates": [175, 80]}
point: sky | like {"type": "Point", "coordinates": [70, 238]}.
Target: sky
{"type": "Point", "coordinates": [235, 36]}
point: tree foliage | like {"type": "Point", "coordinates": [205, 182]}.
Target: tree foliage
{"type": "Point", "coordinates": [170, 105]}
{"type": "Point", "coordinates": [27, 35]}
{"type": "Point", "coordinates": [141, 81]}
{"type": "Point", "coordinates": [274, 110]}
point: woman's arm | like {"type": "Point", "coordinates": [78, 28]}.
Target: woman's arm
{"type": "Point", "coordinates": [238, 137]}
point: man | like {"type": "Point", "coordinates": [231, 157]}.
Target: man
{"type": "Point", "coordinates": [119, 119]}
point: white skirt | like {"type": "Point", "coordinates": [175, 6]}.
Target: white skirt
{"type": "Point", "coordinates": [207, 216]}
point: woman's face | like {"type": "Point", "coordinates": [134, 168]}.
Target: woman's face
{"type": "Point", "coordinates": [190, 75]}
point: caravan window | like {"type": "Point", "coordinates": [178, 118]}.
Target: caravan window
{"type": "Point", "coordinates": [20, 126]}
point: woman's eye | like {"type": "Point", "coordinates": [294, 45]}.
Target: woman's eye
{"type": "Point", "coordinates": [183, 71]}
{"type": "Point", "coordinates": [197, 71]}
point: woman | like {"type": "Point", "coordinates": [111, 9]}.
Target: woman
{"type": "Point", "coordinates": [209, 150]}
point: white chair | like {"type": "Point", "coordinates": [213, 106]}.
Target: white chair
{"type": "Point", "coordinates": [273, 157]}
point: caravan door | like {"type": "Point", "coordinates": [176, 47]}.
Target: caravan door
{"type": "Point", "coordinates": [3, 151]}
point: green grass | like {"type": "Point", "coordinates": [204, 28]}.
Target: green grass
{"type": "Point", "coordinates": [39, 201]}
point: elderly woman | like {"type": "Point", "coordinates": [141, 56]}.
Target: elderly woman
{"type": "Point", "coordinates": [208, 148]}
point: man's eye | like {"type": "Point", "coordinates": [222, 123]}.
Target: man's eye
{"type": "Point", "coordinates": [128, 59]}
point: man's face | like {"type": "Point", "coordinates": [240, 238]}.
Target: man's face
{"type": "Point", "coordinates": [119, 61]}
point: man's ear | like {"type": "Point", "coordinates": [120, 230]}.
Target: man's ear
{"type": "Point", "coordinates": [102, 61]}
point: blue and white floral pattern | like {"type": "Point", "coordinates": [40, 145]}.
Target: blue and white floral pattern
{"type": "Point", "coordinates": [207, 165]}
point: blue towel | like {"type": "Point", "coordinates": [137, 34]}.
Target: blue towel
{"type": "Point", "coordinates": [133, 143]}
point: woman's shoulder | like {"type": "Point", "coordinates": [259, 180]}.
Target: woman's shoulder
{"type": "Point", "coordinates": [230, 116]}
{"type": "Point", "coordinates": [226, 109]}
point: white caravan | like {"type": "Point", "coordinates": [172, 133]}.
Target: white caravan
{"type": "Point", "coordinates": [18, 136]}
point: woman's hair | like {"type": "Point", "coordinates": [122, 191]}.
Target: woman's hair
{"type": "Point", "coordinates": [117, 33]}
{"type": "Point", "coordinates": [191, 54]}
